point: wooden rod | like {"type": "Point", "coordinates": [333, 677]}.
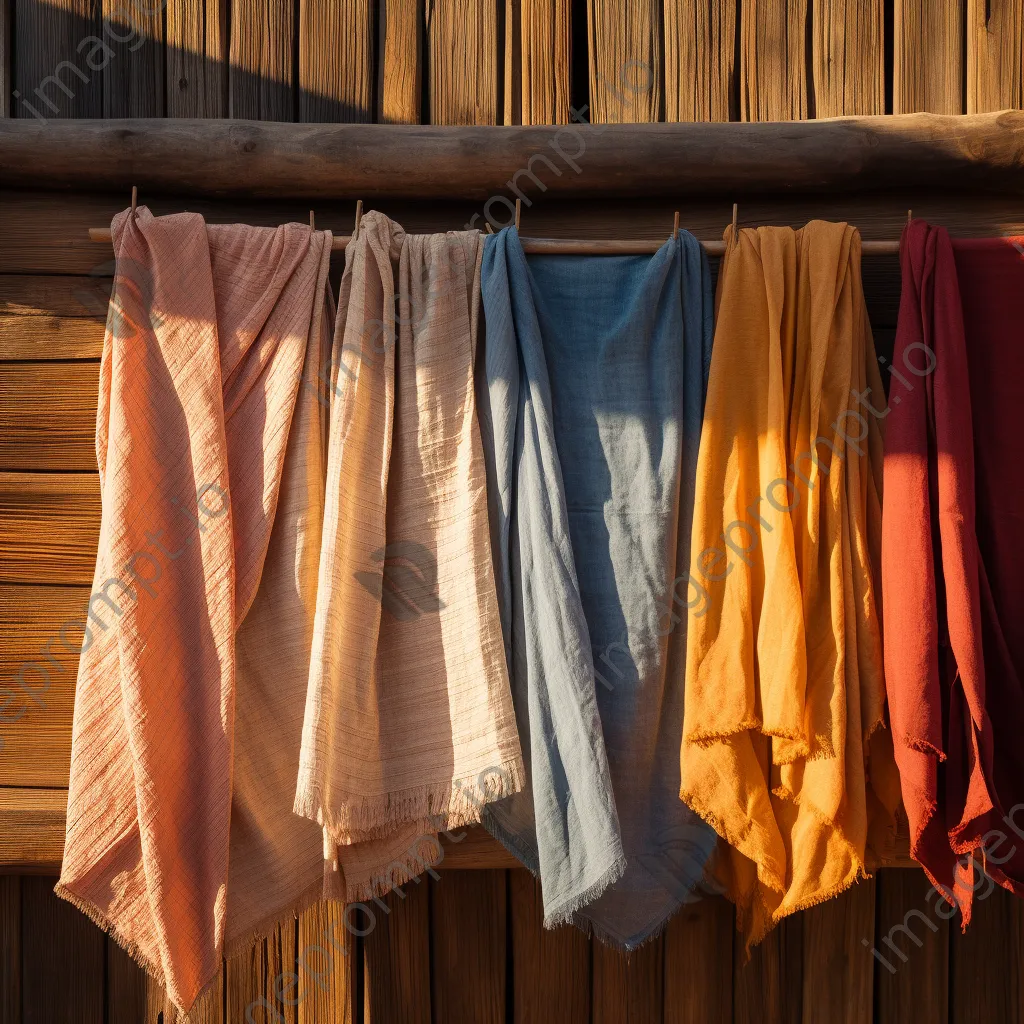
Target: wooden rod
{"type": "Point", "coordinates": [591, 246]}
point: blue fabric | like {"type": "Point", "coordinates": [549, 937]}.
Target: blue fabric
{"type": "Point", "coordinates": [591, 392]}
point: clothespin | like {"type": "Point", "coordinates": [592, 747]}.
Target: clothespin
{"type": "Point", "coordinates": [675, 226]}
{"type": "Point", "coordinates": [735, 219]}
{"type": "Point", "coordinates": [359, 217]}
{"type": "Point", "coordinates": [312, 221]}
{"type": "Point", "coordinates": [135, 199]}
{"type": "Point", "coordinates": [519, 207]}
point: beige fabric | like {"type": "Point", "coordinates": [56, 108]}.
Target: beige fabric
{"type": "Point", "coordinates": [185, 739]}
{"type": "Point", "coordinates": [409, 726]}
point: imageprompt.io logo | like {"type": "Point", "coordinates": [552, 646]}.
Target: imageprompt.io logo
{"type": "Point", "coordinates": [406, 582]}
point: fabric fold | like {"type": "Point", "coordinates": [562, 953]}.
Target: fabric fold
{"type": "Point", "coordinates": [785, 750]}
{"type": "Point", "coordinates": [409, 727]}
{"type": "Point", "coordinates": [211, 481]}
{"type": "Point", "coordinates": [591, 393]}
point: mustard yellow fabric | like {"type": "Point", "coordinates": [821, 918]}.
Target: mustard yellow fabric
{"type": "Point", "coordinates": [784, 747]}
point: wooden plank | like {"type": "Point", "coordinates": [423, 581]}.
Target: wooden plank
{"type": "Point", "coordinates": [774, 77]}
{"type": "Point", "coordinates": [262, 981]}
{"type": "Point", "coordinates": [62, 958]}
{"type": "Point", "coordinates": [260, 77]}
{"type": "Point", "coordinates": [995, 55]}
{"type": "Point", "coordinates": [837, 974]}
{"type": "Point", "coordinates": [928, 56]}
{"type": "Point", "coordinates": [133, 997]}
{"type": "Point", "coordinates": [133, 76]}
{"type": "Point", "coordinates": [396, 958]}
{"type": "Point", "coordinates": [10, 949]}
{"type": "Point", "coordinates": [698, 964]}
{"type": "Point", "coordinates": [538, 61]}
{"type": "Point", "coordinates": [467, 930]}
{"type": "Point", "coordinates": [48, 416]}
{"type": "Point", "coordinates": [328, 967]}
{"type": "Point", "coordinates": [550, 969]}
{"type": "Point", "coordinates": [768, 988]}
{"type": "Point", "coordinates": [628, 988]}
{"type": "Point", "coordinates": [700, 60]}
{"type": "Point", "coordinates": [985, 963]}
{"type": "Point", "coordinates": [6, 58]}
{"type": "Point", "coordinates": [915, 988]}
{"type": "Point", "coordinates": [333, 89]}
{"type": "Point", "coordinates": [400, 62]}
{"type": "Point", "coordinates": [624, 42]}
{"type": "Point", "coordinates": [848, 57]}
{"type": "Point", "coordinates": [32, 828]}
{"type": "Point", "coordinates": [464, 60]}
{"type": "Point", "coordinates": [49, 527]}
{"type": "Point", "coordinates": [197, 47]}
{"type": "Point", "coordinates": [61, 59]}
{"type": "Point", "coordinates": [52, 318]}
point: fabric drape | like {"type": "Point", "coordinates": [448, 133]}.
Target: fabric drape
{"type": "Point", "coordinates": [591, 396]}
{"type": "Point", "coordinates": [952, 558]}
{"type": "Point", "coordinates": [409, 727]}
{"type": "Point", "coordinates": [784, 750]}
{"type": "Point", "coordinates": [197, 641]}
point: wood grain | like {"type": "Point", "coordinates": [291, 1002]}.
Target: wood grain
{"type": "Point", "coordinates": [768, 988]}
{"type": "Point", "coordinates": [624, 41]}
{"type": "Point", "coordinates": [10, 949]}
{"type": "Point", "coordinates": [336, 69]}
{"type": "Point", "coordinates": [52, 318]}
{"type": "Point", "coordinates": [467, 929]}
{"type": "Point", "coordinates": [928, 56]}
{"type": "Point", "coordinates": [328, 967]}
{"type": "Point", "coordinates": [628, 988]}
{"type": "Point", "coordinates": [49, 527]}
{"type": "Point", "coordinates": [848, 57]}
{"type": "Point", "coordinates": [133, 997]}
{"type": "Point", "coordinates": [464, 60]}
{"type": "Point", "coordinates": [133, 77]}
{"type": "Point", "coordinates": [396, 958]}
{"type": "Point", "coordinates": [6, 60]}
{"type": "Point", "coordinates": [400, 62]}
{"type": "Point", "coordinates": [698, 964]}
{"type": "Point", "coordinates": [774, 76]}
{"type": "Point", "coordinates": [62, 959]}
{"type": "Point", "coordinates": [995, 55]}
{"type": "Point", "coordinates": [260, 76]}
{"type": "Point", "coordinates": [915, 988]}
{"type": "Point", "coordinates": [32, 828]}
{"type": "Point", "coordinates": [197, 52]}
{"type": "Point", "coordinates": [700, 60]}
{"type": "Point", "coordinates": [262, 981]}
{"type": "Point", "coordinates": [550, 968]}
{"type": "Point", "coordinates": [538, 61]}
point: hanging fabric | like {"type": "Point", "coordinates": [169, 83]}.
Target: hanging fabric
{"type": "Point", "coordinates": [785, 750]}
{"type": "Point", "coordinates": [952, 559]}
{"type": "Point", "coordinates": [591, 399]}
{"type": "Point", "coordinates": [409, 726]}
{"type": "Point", "coordinates": [185, 739]}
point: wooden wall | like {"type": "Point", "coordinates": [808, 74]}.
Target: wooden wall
{"type": "Point", "coordinates": [508, 61]}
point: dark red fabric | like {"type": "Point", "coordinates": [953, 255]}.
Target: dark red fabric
{"type": "Point", "coordinates": [953, 557]}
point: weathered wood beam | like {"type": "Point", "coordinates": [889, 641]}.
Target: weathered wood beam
{"type": "Point", "coordinates": [217, 158]}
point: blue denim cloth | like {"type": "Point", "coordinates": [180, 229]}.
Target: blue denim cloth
{"type": "Point", "coordinates": [590, 391]}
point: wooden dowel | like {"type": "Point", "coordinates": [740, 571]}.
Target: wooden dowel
{"type": "Point", "coordinates": [591, 246]}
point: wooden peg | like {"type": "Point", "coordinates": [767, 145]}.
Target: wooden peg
{"type": "Point", "coordinates": [675, 226]}
{"type": "Point", "coordinates": [910, 216]}
{"type": "Point", "coordinates": [312, 221]}
{"type": "Point", "coordinates": [359, 217]}
{"type": "Point", "coordinates": [135, 199]}
{"type": "Point", "coordinates": [735, 219]}
{"type": "Point", "coordinates": [519, 207]}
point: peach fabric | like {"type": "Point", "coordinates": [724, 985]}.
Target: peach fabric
{"type": "Point", "coordinates": [409, 726]}
{"type": "Point", "coordinates": [188, 706]}
{"type": "Point", "coordinates": [784, 748]}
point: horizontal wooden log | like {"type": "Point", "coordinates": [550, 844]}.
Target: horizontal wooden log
{"type": "Point", "coordinates": [246, 158]}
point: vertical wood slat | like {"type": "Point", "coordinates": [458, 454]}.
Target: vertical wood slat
{"type": "Point", "coordinates": [911, 955]}
{"type": "Point", "coordinates": [6, 55]}
{"type": "Point", "coordinates": [133, 78]}
{"type": "Point", "coordinates": [10, 949]}
{"type": "Point", "coordinates": [262, 981]}
{"type": "Point", "coordinates": [848, 57]}
{"type": "Point", "coordinates": [628, 988]}
{"type": "Point", "coordinates": [260, 82]}
{"type": "Point", "coordinates": [768, 988]}
{"type": "Point", "coordinates": [400, 62]}
{"type": "Point", "coordinates": [197, 72]}
{"type": "Point", "coordinates": [464, 61]}
{"type": "Point", "coordinates": [698, 964]}
{"type": "Point", "coordinates": [60, 58]}
{"type": "Point", "coordinates": [62, 958]}
{"type": "Point", "coordinates": [700, 60]}
{"type": "Point", "coordinates": [928, 59]}
{"type": "Point", "coordinates": [538, 61]}
{"type": "Point", "coordinates": [995, 55]}
{"type": "Point", "coordinates": [396, 958]}
{"type": "Point", "coordinates": [550, 969]}
{"type": "Point", "coordinates": [336, 60]}
{"type": "Point", "coordinates": [774, 77]}
{"type": "Point", "coordinates": [624, 40]}
{"type": "Point", "coordinates": [328, 965]}
{"type": "Point", "coordinates": [468, 921]}
{"type": "Point", "coordinates": [838, 970]}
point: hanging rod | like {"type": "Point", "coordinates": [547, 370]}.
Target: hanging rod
{"type": "Point", "coordinates": [591, 246]}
